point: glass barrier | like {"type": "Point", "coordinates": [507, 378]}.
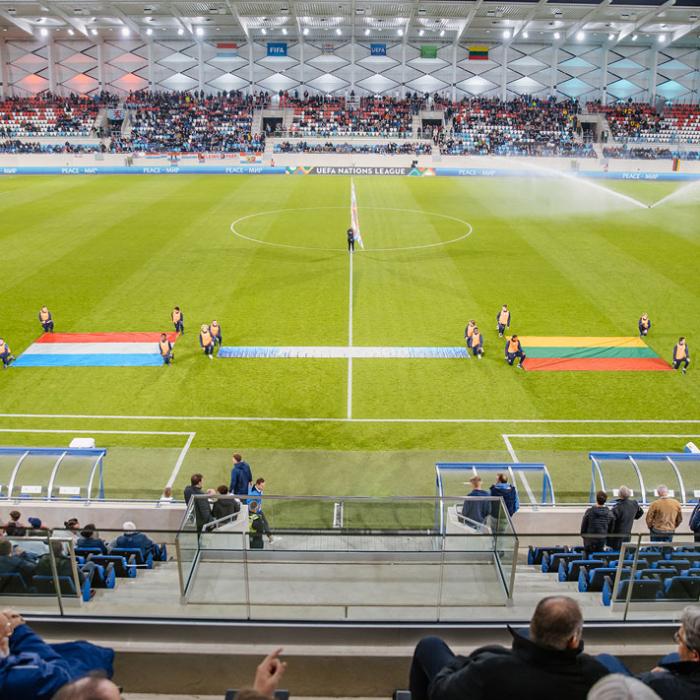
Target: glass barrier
{"type": "Point", "coordinates": [348, 559]}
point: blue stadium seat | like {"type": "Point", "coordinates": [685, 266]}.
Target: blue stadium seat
{"type": "Point", "coordinates": [592, 581]}
{"type": "Point", "coordinates": [122, 567]}
{"type": "Point", "coordinates": [45, 584]}
{"type": "Point", "coordinates": [535, 554]}
{"type": "Point", "coordinates": [661, 573]}
{"type": "Point", "coordinates": [570, 570]}
{"type": "Point", "coordinates": [13, 583]}
{"type": "Point", "coordinates": [129, 552]}
{"type": "Point", "coordinates": [643, 589]}
{"type": "Point", "coordinates": [682, 588]}
{"type": "Point", "coordinates": [551, 563]}
{"type": "Point", "coordinates": [665, 563]}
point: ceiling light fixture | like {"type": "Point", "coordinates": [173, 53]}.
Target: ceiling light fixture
{"type": "Point", "coordinates": [149, 31]}
{"type": "Point", "coordinates": [306, 31]}
{"type": "Point", "coordinates": [506, 33]}
{"type": "Point", "coordinates": [557, 35]}
{"type": "Point", "coordinates": [44, 32]}
{"type": "Point", "coordinates": [442, 32]}
{"type": "Point", "coordinates": [264, 31]}
{"type": "Point", "coordinates": [284, 31]}
{"type": "Point", "coordinates": [338, 31]}
{"type": "Point", "coordinates": [421, 32]}
{"type": "Point", "coordinates": [525, 35]}
{"type": "Point", "coordinates": [399, 32]}
{"type": "Point", "coordinates": [366, 32]}
{"type": "Point", "coordinates": [126, 31]}
{"type": "Point", "coordinates": [93, 32]}
{"type": "Point", "coordinates": [611, 36]}
{"type": "Point", "coordinates": [662, 38]}
{"type": "Point", "coordinates": [199, 31]}
{"type": "Point", "coordinates": [634, 37]}
{"type": "Point", "coordinates": [580, 35]}
{"type": "Point", "coordinates": [71, 32]}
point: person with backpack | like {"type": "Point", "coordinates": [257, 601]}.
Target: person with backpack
{"type": "Point", "coordinates": [508, 493]}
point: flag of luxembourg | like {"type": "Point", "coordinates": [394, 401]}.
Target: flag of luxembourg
{"type": "Point", "coordinates": [94, 350]}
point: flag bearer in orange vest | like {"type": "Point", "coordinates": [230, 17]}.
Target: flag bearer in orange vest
{"type": "Point", "coordinates": [468, 332]}
{"type": "Point", "coordinates": [477, 343]}
{"type": "Point", "coordinates": [206, 341]}
{"type": "Point", "coordinates": [644, 325]}
{"type": "Point", "coordinates": [178, 319]}
{"type": "Point", "coordinates": [681, 355]}
{"type": "Point", "coordinates": [46, 320]}
{"type": "Point", "coordinates": [166, 349]}
{"type": "Point", "coordinates": [503, 320]}
{"type": "Point", "coordinates": [514, 349]}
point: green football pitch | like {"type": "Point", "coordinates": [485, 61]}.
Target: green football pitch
{"type": "Point", "coordinates": [265, 256]}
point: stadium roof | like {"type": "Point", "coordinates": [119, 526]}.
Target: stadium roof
{"type": "Point", "coordinates": [607, 22]}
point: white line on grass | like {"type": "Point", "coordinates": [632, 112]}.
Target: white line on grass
{"type": "Point", "coordinates": [349, 414]}
{"type": "Point", "coordinates": [596, 435]}
{"type": "Point", "coordinates": [180, 460]}
{"type": "Point", "coordinates": [283, 419]}
{"type": "Point", "coordinates": [521, 474]}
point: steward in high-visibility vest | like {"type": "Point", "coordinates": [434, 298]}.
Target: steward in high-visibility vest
{"type": "Point", "coordinates": [5, 354]}
{"type": "Point", "coordinates": [477, 344]}
{"type": "Point", "coordinates": [644, 325]}
{"type": "Point", "coordinates": [215, 330]}
{"type": "Point", "coordinates": [255, 527]}
{"type": "Point", "coordinates": [503, 320]}
{"type": "Point", "coordinates": [178, 319]}
{"type": "Point", "coordinates": [514, 349]}
{"type": "Point", "coordinates": [206, 341]}
{"type": "Point", "coordinates": [166, 349]}
{"type": "Point", "coordinates": [681, 355]}
{"type": "Point", "coordinates": [46, 320]}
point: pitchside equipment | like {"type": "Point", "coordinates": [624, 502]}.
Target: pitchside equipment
{"type": "Point", "coordinates": [354, 218]}
{"type": "Point", "coordinates": [51, 473]}
{"type": "Point", "coordinates": [644, 471]}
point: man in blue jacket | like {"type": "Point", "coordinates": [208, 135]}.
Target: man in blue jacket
{"type": "Point", "coordinates": [477, 506]}
{"type": "Point", "coordinates": [241, 477]}
{"type": "Point", "coordinates": [31, 669]}
{"type": "Point", "coordinates": [133, 539]}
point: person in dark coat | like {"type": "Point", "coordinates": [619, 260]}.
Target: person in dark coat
{"type": "Point", "coordinates": [507, 492]}
{"type": "Point", "coordinates": [133, 539]}
{"type": "Point", "coordinates": [597, 520]}
{"type": "Point", "coordinates": [241, 477]}
{"type": "Point", "coordinates": [202, 510]}
{"type": "Point", "coordinates": [225, 506]}
{"type": "Point", "coordinates": [90, 539]}
{"type": "Point", "coordinates": [476, 510]}
{"type": "Point", "coordinates": [549, 665]}
{"type": "Point", "coordinates": [625, 511]}
{"type": "Point", "coordinates": [694, 523]}
{"type": "Point", "coordinates": [31, 669]}
{"type": "Point", "coordinates": [13, 563]}
{"type": "Point", "coordinates": [680, 680]}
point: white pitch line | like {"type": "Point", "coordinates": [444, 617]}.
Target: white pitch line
{"type": "Point", "coordinates": [599, 435]}
{"type": "Point", "coordinates": [96, 432]}
{"type": "Point", "coordinates": [521, 474]}
{"type": "Point", "coordinates": [351, 255]}
{"type": "Point", "coordinates": [283, 419]}
{"type": "Point", "coordinates": [180, 460]}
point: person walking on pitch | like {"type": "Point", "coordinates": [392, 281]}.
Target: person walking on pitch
{"type": "Point", "coordinates": [46, 320]}
{"type": "Point", "coordinates": [681, 355]}
{"type": "Point", "coordinates": [166, 349]}
{"type": "Point", "coordinates": [351, 241]}
{"type": "Point", "coordinates": [514, 349]}
{"type": "Point", "coordinates": [206, 341]}
{"type": "Point", "coordinates": [644, 325]}
{"type": "Point", "coordinates": [178, 320]}
{"type": "Point", "coordinates": [503, 320]}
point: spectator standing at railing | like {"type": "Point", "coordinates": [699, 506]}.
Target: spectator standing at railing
{"type": "Point", "coordinates": [597, 520]}
{"type": "Point", "coordinates": [255, 494]}
{"type": "Point", "coordinates": [625, 511]}
{"type": "Point", "coordinates": [223, 507]}
{"type": "Point", "coordinates": [241, 477]}
{"type": "Point", "coordinates": [474, 508]}
{"type": "Point", "coordinates": [664, 516]}
{"type": "Point", "coordinates": [201, 508]}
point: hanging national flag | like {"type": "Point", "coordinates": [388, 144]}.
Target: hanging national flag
{"type": "Point", "coordinates": [354, 218]}
{"type": "Point", "coordinates": [428, 51]}
{"type": "Point", "coordinates": [226, 49]}
{"type": "Point", "coordinates": [478, 53]}
{"type": "Point", "coordinates": [94, 350]}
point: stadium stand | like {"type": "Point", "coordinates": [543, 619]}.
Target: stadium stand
{"type": "Point", "coordinates": [392, 148]}
{"type": "Point", "coordinates": [50, 115]}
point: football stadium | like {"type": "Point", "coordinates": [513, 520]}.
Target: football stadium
{"type": "Point", "coordinates": [348, 349]}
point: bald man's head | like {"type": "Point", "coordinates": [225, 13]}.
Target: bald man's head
{"type": "Point", "coordinates": [557, 623]}
{"type": "Point", "coordinates": [92, 687]}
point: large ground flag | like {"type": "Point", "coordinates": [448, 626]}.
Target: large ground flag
{"type": "Point", "coordinates": [354, 218]}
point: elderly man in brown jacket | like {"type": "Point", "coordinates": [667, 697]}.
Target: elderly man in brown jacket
{"type": "Point", "coordinates": [664, 516]}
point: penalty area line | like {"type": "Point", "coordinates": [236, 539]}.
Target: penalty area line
{"type": "Point", "coordinates": [180, 460]}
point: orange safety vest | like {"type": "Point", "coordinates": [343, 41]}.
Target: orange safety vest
{"type": "Point", "coordinates": [206, 338]}
{"type": "Point", "coordinates": [3, 347]}
{"type": "Point", "coordinates": [513, 346]}
{"type": "Point", "coordinates": [164, 347]}
{"type": "Point", "coordinates": [681, 352]}
{"type": "Point", "coordinates": [503, 318]}
{"type": "Point", "coordinates": [476, 340]}
{"type": "Point", "coordinates": [44, 315]}
{"type": "Point", "coordinates": [470, 331]}
{"type": "Point", "coordinates": [215, 329]}
{"type": "Point", "coordinates": [644, 322]}
{"type": "Point", "coordinates": [176, 316]}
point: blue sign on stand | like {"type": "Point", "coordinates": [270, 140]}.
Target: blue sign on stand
{"type": "Point", "coordinates": [377, 49]}
{"type": "Point", "coordinates": [276, 48]}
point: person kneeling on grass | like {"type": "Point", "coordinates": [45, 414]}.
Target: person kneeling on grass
{"type": "Point", "coordinates": [215, 330]}
{"type": "Point", "coordinates": [681, 355]}
{"type": "Point", "coordinates": [206, 341]}
{"type": "Point", "coordinates": [514, 349]}
{"type": "Point", "coordinates": [5, 354]}
{"type": "Point", "coordinates": [46, 320]}
{"type": "Point", "coordinates": [477, 343]}
{"type": "Point", "coordinates": [166, 349]}
{"type": "Point", "coordinates": [644, 325]}
{"type": "Point", "coordinates": [468, 332]}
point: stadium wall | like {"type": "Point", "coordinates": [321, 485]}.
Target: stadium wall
{"type": "Point", "coordinates": [298, 163]}
{"type": "Point", "coordinates": [567, 70]}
